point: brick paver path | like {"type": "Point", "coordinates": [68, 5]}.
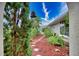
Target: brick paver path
{"type": "Point", "coordinates": [41, 47]}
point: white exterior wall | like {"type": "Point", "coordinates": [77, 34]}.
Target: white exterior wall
{"type": "Point", "coordinates": [56, 28]}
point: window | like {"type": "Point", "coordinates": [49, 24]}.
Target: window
{"type": "Point", "coordinates": [64, 30]}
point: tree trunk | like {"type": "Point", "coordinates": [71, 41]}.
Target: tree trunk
{"type": "Point", "coordinates": [14, 34]}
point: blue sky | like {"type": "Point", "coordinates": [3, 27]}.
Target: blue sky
{"type": "Point", "coordinates": [48, 11]}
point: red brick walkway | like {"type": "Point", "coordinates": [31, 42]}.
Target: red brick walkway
{"type": "Point", "coordinates": [41, 47]}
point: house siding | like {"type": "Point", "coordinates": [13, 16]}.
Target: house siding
{"type": "Point", "coordinates": [56, 28]}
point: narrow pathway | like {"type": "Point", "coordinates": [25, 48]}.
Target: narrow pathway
{"type": "Point", "coordinates": [41, 47]}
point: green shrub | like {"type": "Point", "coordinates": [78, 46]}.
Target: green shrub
{"type": "Point", "coordinates": [29, 51]}
{"type": "Point", "coordinates": [53, 40]}
{"type": "Point", "coordinates": [47, 32]}
{"type": "Point", "coordinates": [60, 40]}
{"type": "Point", "coordinates": [56, 40]}
{"type": "Point", "coordinates": [33, 32]}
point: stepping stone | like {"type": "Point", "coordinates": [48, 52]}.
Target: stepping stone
{"type": "Point", "coordinates": [32, 45]}
{"type": "Point", "coordinates": [38, 55]}
{"type": "Point", "coordinates": [36, 49]}
{"type": "Point", "coordinates": [57, 50]}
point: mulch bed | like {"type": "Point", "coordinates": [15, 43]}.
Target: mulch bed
{"type": "Point", "coordinates": [46, 49]}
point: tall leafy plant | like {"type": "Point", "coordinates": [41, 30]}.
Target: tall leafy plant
{"type": "Point", "coordinates": [16, 28]}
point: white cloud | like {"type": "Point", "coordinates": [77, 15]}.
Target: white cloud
{"type": "Point", "coordinates": [62, 11]}
{"type": "Point", "coordinates": [45, 11]}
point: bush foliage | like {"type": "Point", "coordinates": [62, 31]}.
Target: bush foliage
{"type": "Point", "coordinates": [56, 40]}
{"type": "Point", "coordinates": [48, 32]}
{"type": "Point", "coordinates": [52, 37]}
